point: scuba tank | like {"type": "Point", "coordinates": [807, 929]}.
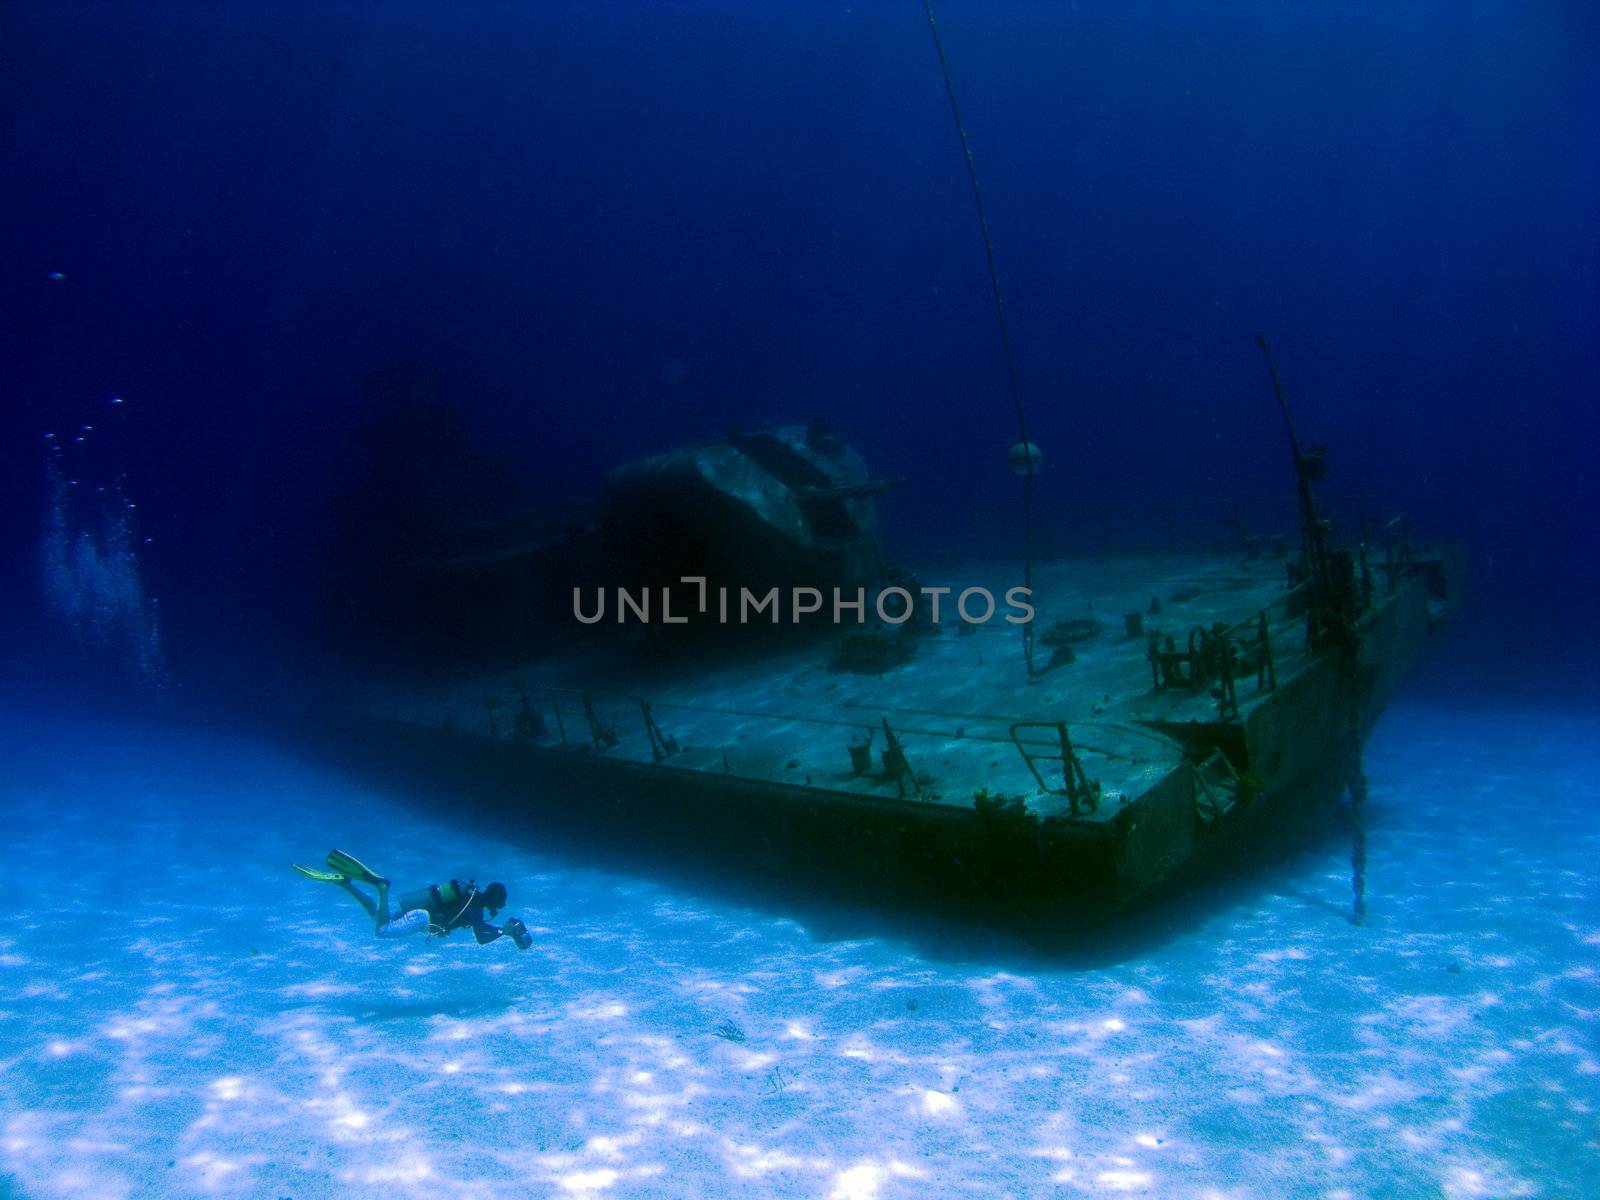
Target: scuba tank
{"type": "Point", "coordinates": [445, 902]}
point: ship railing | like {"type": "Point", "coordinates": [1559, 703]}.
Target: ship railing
{"type": "Point", "coordinates": [571, 704]}
{"type": "Point", "coordinates": [588, 721]}
{"type": "Point", "coordinates": [1221, 655]}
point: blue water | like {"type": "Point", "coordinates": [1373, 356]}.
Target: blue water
{"type": "Point", "coordinates": [185, 1018]}
{"type": "Point", "coordinates": [231, 233]}
{"type": "Point", "coordinates": [614, 227]}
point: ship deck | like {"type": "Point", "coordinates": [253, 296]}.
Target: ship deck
{"type": "Point", "coordinates": [955, 707]}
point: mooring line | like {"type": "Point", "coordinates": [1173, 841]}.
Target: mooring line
{"type": "Point", "coordinates": [1005, 331]}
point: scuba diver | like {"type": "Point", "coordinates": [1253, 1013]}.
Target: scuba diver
{"type": "Point", "coordinates": [437, 909]}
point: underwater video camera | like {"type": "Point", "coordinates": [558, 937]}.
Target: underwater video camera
{"type": "Point", "coordinates": [518, 933]}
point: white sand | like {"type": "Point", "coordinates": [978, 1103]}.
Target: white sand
{"type": "Point", "coordinates": [182, 1016]}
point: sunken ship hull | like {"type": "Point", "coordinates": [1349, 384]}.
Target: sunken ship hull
{"type": "Point", "coordinates": [1207, 721]}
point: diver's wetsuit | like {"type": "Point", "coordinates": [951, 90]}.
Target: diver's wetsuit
{"type": "Point", "coordinates": [449, 906]}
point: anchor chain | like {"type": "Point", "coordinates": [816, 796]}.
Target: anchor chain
{"type": "Point", "coordinates": [1341, 625]}
{"type": "Point", "coordinates": [1336, 601]}
{"type": "Point", "coordinates": [1358, 842]}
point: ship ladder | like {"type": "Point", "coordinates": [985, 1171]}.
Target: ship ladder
{"type": "Point", "coordinates": [1081, 792]}
{"type": "Point", "coordinates": [1216, 789]}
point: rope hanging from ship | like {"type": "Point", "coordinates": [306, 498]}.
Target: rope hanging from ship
{"type": "Point", "coordinates": [1332, 619]}
{"type": "Point", "coordinates": [1028, 453]}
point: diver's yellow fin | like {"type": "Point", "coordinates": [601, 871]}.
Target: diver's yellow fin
{"type": "Point", "coordinates": [352, 868]}
{"type": "Point", "coordinates": [319, 876]}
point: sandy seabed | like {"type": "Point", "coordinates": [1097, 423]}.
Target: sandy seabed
{"type": "Point", "coordinates": [181, 1015]}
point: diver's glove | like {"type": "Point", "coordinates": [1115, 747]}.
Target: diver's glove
{"type": "Point", "coordinates": [518, 933]}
